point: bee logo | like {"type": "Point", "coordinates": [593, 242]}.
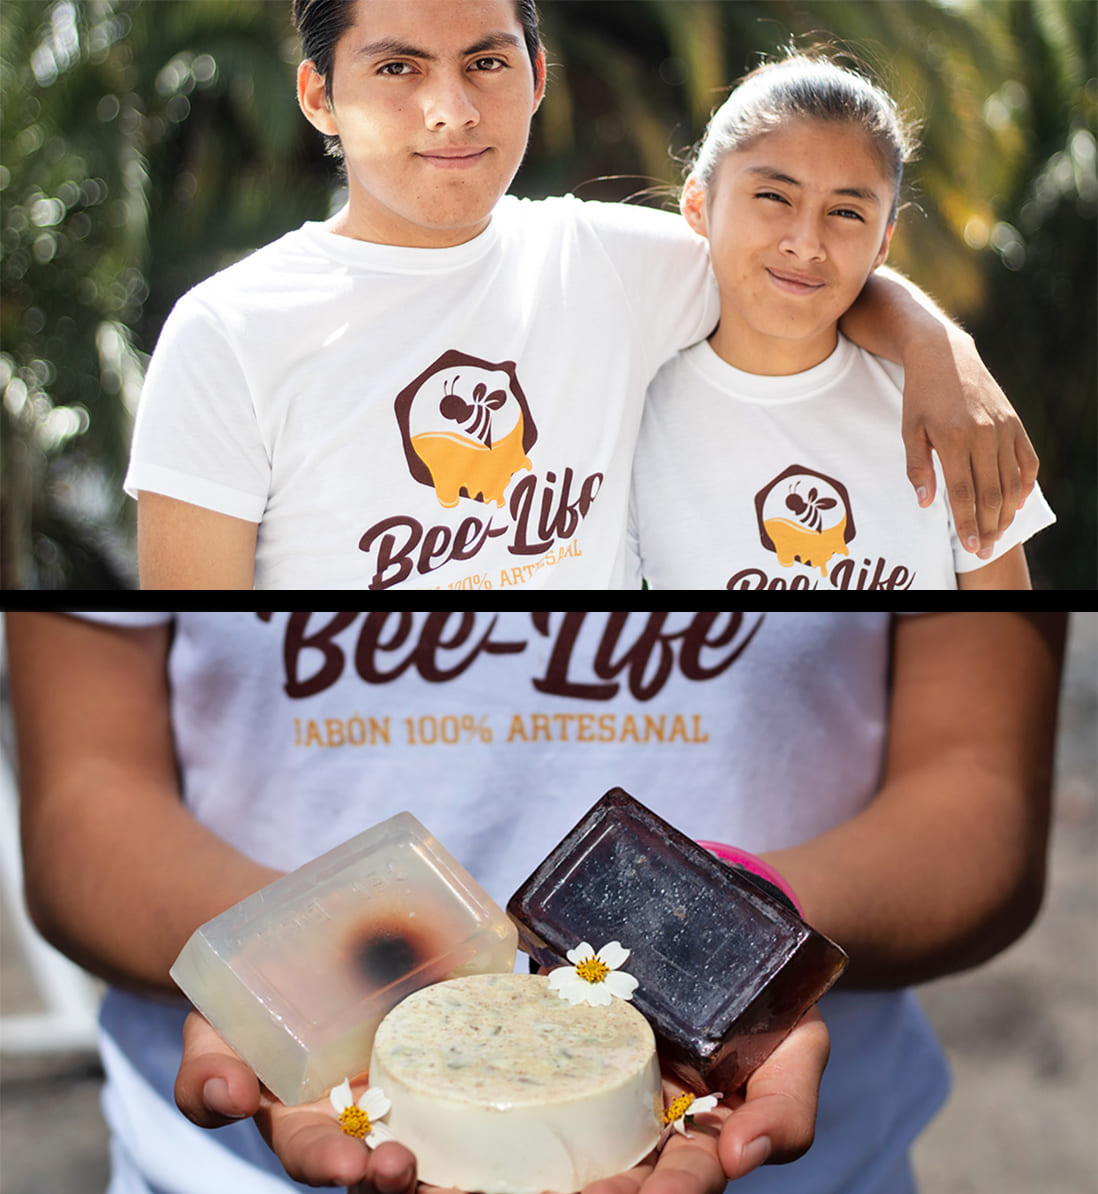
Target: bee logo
{"type": "Point", "coordinates": [466, 428]}
{"type": "Point", "coordinates": [804, 516]}
{"type": "Point", "coordinates": [808, 511]}
{"type": "Point", "coordinates": [477, 413]}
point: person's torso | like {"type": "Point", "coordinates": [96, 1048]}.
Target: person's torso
{"type": "Point", "coordinates": [459, 418]}
{"type": "Point", "coordinates": [499, 730]}
{"type": "Point", "coordinates": [749, 482]}
{"type": "Point", "coordinates": [295, 731]}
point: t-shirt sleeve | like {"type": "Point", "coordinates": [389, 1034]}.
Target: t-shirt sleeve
{"type": "Point", "coordinates": [196, 437]}
{"type": "Point", "coordinates": [124, 619]}
{"type": "Point", "coordinates": [665, 272]}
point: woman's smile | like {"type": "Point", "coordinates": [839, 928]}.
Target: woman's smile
{"type": "Point", "coordinates": [791, 282]}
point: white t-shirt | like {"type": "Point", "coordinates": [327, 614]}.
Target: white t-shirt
{"type": "Point", "coordinates": [749, 482]}
{"type": "Point", "coordinates": [498, 731]}
{"type": "Point", "coordinates": [433, 418]}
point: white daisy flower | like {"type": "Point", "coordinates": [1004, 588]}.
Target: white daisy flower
{"type": "Point", "coordinates": [593, 978]}
{"type": "Point", "coordinates": [361, 1119]}
{"type": "Point", "coordinates": [683, 1109]}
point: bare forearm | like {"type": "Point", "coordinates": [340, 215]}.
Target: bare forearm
{"type": "Point", "coordinates": [915, 893]}
{"type": "Point", "coordinates": [118, 877]}
{"type": "Point", "coordinates": [946, 867]}
{"type": "Point", "coordinates": [117, 871]}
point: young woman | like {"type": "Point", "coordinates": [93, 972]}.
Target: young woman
{"type": "Point", "coordinates": [769, 455]}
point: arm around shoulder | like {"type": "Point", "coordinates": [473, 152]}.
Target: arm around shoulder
{"type": "Point", "coordinates": [952, 405]}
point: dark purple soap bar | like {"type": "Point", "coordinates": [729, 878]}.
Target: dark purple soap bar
{"type": "Point", "coordinates": [725, 969]}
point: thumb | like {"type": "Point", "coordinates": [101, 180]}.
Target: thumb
{"type": "Point", "coordinates": [213, 1086]}
{"type": "Point", "coordinates": [777, 1121]}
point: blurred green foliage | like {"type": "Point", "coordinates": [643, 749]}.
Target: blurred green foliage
{"type": "Point", "coordinates": [147, 143]}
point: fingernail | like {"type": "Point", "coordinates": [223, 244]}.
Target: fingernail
{"type": "Point", "coordinates": [215, 1094]}
{"type": "Point", "coordinates": [921, 495]}
{"type": "Point", "coordinates": [972, 543]}
{"type": "Point", "coordinates": [754, 1154]}
{"type": "Point", "coordinates": [985, 553]}
{"type": "Point", "coordinates": [404, 1179]}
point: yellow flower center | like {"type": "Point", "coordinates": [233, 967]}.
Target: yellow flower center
{"type": "Point", "coordinates": [678, 1108]}
{"type": "Point", "coordinates": [592, 970]}
{"type": "Point", "coordinates": [355, 1122]}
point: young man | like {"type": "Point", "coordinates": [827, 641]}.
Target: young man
{"type": "Point", "coordinates": [441, 387]}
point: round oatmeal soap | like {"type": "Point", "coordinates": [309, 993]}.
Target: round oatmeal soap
{"type": "Point", "coordinates": [498, 1085]}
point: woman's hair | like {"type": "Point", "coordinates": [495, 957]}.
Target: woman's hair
{"type": "Point", "coordinates": [806, 85]}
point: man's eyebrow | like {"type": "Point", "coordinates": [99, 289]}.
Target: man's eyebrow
{"type": "Point", "coordinates": [866, 193]}
{"type": "Point", "coordinates": [495, 41]}
{"type": "Point", "coordinates": [393, 47]}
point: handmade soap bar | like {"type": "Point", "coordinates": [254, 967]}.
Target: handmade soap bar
{"type": "Point", "coordinates": [725, 969]}
{"type": "Point", "coordinates": [297, 976]}
{"type": "Point", "coordinates": [499, 1085]}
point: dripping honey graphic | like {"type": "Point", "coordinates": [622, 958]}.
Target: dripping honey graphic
{"type": "Point", "coordinates": [457, 463]}
{"type": "Point", "coordinates": [814, 549]}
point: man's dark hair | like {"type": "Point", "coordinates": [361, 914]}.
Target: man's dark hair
{"type": "Point", "coordinates": [321, 23]}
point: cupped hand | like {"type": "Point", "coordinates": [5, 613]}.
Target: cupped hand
{"type": "Point", "coordinates": [214, 1087]}
{"type": "Point", "coordinates": [772, 1120]}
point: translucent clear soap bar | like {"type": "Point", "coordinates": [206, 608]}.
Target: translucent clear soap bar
{"type": "Point", "coordinates": [725, 968]}
{"type": "Point", "coordinates": [297, 976]}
